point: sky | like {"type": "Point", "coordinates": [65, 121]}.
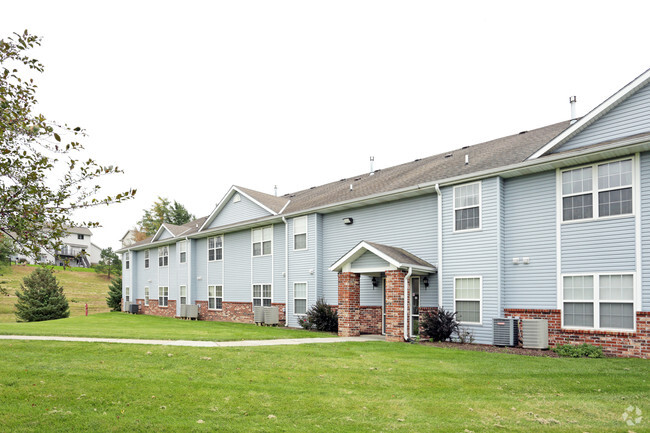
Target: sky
{"type": "Point", "coordinates": [190, 98]}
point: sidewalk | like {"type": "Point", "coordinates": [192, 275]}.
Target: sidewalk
{"type": "Point", "coordinates": [191, 343]}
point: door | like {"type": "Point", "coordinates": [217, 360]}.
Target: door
{"type": "Point", "coordinates": [415, 306]}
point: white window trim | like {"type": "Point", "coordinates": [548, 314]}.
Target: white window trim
{"type": "Point", "coordinates": [127, 294]}
{"type": "Point", "coordinates": [181, 251]}
{"type": "Point", "coordinates": [180, 294]}
{"type": "Point", "coordinates": [216, 297]}
{"type": "Point", "coordinates": [147, 296]}
{"type": "Point", "coordinates": [262, 288]}
{"type": "Point", "coordinates": [305, 217]}
{"type": "Point", "coordinates": [306, 298]}
{"type": "Point", "coordinates": [160, 293]}
{"type": "Point", "coordinates": [127, 260]}
{"type": "Point", "coordinates": [146, 260]}
{"type": "Point", "coordinates": [480, 298]}
{"type": "Point", "coordinates": [480, 208]}
{"type": "Point", "coordinates": [207, 248]}
{"type": "Point", "coordinates": [596, 301]}
{"type": "Point", "coordinates": [160, 249]}
{"type": "Point", "coordinates": [594, 190]}
{"type": "Point", "coordinates": [261, 242]}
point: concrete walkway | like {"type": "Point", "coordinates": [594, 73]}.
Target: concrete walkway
{"type": "Point", "coordinates": [191, 343]}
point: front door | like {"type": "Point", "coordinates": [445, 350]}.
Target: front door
{"type": "Point", "coordinates": [415, 306]}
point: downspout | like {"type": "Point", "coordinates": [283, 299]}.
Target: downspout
{"type": "Point", "coordinates": [406, 304]}
{"type": "Point", "coordinates": [439, 245]}
{"type": "Point", "coordinates": [188, 246]}
{"type": "Point", "coordinates": [286, 271]}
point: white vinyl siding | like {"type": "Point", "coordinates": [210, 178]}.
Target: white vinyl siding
{"type": "Point", "coordinates": [262, 295]}
{"type": "Point", "coordinates": [262, 241]}
{"type": "Point", "coordinates": [599, 301]}
{"type": "Point", "coordinates": [146, 259]}
{"type": "Point", "coordinates": [467, 207]}
{"type": "Point", "coordinates": [467, 294]}
{"type": "Point", "coordinates": [215, 297]}
{"type": "Point", "coordinates": [146, 296]}
{"type": "Point", "coordinates": [182, 252]}
{"type": "Point", "coordinates": [163, 256]}
{"type": "Point", "coordinates": [163, 296]}
{"type": "Point", "coordinates": [183, 294]}
{"type": "Point", "coordinates": [300, 298]}
{"type": "Point", "coordinates": [300, 233]}
{"type": "Point", "coordinates": [598, 191]}
{"type": "Point", "coordinates": [215, 248]}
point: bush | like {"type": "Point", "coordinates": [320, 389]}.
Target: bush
{"type": "Point", "coordinates": [320, 317]}
{"type": "Point", "coordinates": [439, 325]}
{"type": "Point", "coordinates": [580, 351]}
{"type": "Point", "coordinates": [114, 299]}
{"type": "Point", "coordinates": [41, 298]}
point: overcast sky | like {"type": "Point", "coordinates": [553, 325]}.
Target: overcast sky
{"type": "Point", "coordinates": [192, 97]}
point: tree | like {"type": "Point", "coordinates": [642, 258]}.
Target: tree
{"type": "Point", "coordinates": [114, 299]}
{"type": "Point", "coordinates": [162, 211]}
{"type": "Point", "coordinates": [109, 263]}
{"type": "Point", "coordinates": [42, 180]}
{"type": "Point", "coordinates": [41, 298]}
{"type": "Point", "coordinates": [6, 249]}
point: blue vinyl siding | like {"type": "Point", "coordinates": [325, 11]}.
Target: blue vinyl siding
{"type": "Point", "coordinates": [278, 263]}
{"type": "Point", "coordinates": [199, 266]}
{"type": "Point", "coordinates": [369, 260]}
{"type": "Point", "coordinates": [243, 210]}
{"type": "Point", "coordinates": [237, 267]}
{"type": "Point", "coordinates": [301, 265]}
{"type": "Point", "coordinates": [645, 230]}
{"type": "Point", "coordinates": [320, 265]}
{"type": "Point", "coordinates": [598, 246]}
{"type": "Point", "coordinates": [144, 275]}
{"type": "Point", "coordinates": [165, 235]}
{"type": "Point", "coordinates": [410, 224]}
{"type": "Point", "coordinates": [530, 222]}
{"type": "Point", "coordinates": [630, 117]}
{"type": "Point", "coordinates": [473, 254]}
{"type": "Point", "coordinates": [215, 268]}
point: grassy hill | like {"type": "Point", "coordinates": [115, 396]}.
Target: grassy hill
{"type": "Point", "coordinates": [81, 286]}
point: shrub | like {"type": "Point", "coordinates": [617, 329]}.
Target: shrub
{"type": "Point", "coordinates": [439, 324]}
{"type": "Point", "coordinates": [580, 351]}
{"type": "Point", "coordinates": [41, 298]}
{"type": "Point", "coordinates": [114, 299]}
{"type": "Point", "coordinates": [320, 317]}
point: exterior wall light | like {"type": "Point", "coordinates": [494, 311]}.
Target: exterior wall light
{"type": "Point", "coordinates": [348, 221]}
{"type": "Point", "coordinates": [425, 280]}
{"type": "Point", "coordinates": [375, 283]}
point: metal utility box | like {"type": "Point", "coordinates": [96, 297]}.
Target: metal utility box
{"type": "Point", "coordinates": [134, 308]}
{"type": "Point", "coordinates": [271, 315]}
{"type": "Point", "coordinates": [505, 331]}
{"type": "Point", "coordinates": [258, 314]}
{"type": "Point", "coordinates": [191, 311]}
{"type": "Point", "coordinates": [183, 314]}
{"type": "Point", "coordinates": [127, 307]}
{"type": "Point", "coordinates": [534, 333]}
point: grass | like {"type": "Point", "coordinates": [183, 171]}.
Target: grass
{"type": "Point", "coordinates": [345, 387]}
{"type": "Point", "coordinates": [122, 325]}
{"type": "Point", "coordinates": [80, 285]}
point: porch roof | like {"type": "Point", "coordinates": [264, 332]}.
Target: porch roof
{"type": "Point", "coordinates": [394, 258]}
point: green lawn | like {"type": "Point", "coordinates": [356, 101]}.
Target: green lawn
{"type": "Point", "coordinates": [345, 387]}
{"type": "Point", "coordinates": [122, 325]}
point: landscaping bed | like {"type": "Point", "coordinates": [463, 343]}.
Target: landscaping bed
{"type": "Point", "coordinates": [491, 349]}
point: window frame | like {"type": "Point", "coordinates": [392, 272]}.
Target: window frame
{"type": "Point", "coordinates": [163, 294]}
{"type": "Point", "coordinates": [180, 294]}
{"type": "Point", "coordinates": [146, 296]}
{"type": "Point", "coordinates": [146, 259]}
{"type": "Point", "coordinates": [163, 259]}
{"type": "Point", "coordinates": [127, 294]}
{"type": "Point", "coordinates": [595, 190]}
{"type": "Point", "coordinates": [127, 260]}
{"type": "Point", "coordinates": [306, 219]}
{"type": "Point", "coordinates": [262, 297]}
{"type": "Point", "coordinates": [596, 301]}
{"type": "Point", "coordinates": [479, 300]}
{"type": "Point", "coordinates": [296, 298]}
{"type": "Point", "coordinates": [215, 249]}
{"type": "Point", "coordinates": [261, 242]}
{"type": "Point", "coordinates": [182, 252]}
{"type": "Point", "coordinates": [80, 237]}
{"type": "Point", "coordinates": [479, 205]}
{"type": "Point", "coordinates": [215, 297]}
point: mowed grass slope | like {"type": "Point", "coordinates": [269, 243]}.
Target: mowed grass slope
{"type": "Point", "coordinates": [346, 387]}
{"type": "Point", "coordinates": [122, 325]}
{"type": "Point", "coordinates": [80, 286]}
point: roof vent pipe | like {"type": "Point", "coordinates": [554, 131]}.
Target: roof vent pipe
{"type": "Point", "coordinates": [572, 101]}
{"type": "Point", "coordinates": [466, 159]}
{"type": "Point", "coordinates": [372, 164]}
{"type": "Point", "coordinates": [275, 188]}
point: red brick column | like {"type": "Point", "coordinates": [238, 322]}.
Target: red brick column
{"type": "Point", "coordinates": [349, 304]}
{"type": "Point", "coordinates": [395, 305]}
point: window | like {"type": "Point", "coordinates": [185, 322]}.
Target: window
{"type": "Point", "coordinates": [467, 292]}
{"type": "Point", "coordinates": [163, 256]}
{"type": "Point", "coordinates": [182, 290]}
{"type": "Point", "coordinates": [215, 297]}
{"type": "Point", "coordinates": [599, 301]}
{"type": "Point", "coordinates": [163, 296]}
{"type": "Point", "coordinates": [182, 252]}
{"type": "Point", "coordinates": [613, 187]}
{"type": "Point", "coordinates": [127, 294]}
{"type": "Point", "coordinates": [467, 207]}
{"type": "Point", "coordinates": [300, 233]}
{"type": "Point", "coordinates": [80, 237]}
{"type": "Point", "coordinates": [261, 295]}
{"type": "Point", "coordinates": [146, 259]}
{"type": "Point", "coordinates": [262, 239]}
{"type": "Point", "coordinates": [215, 248]}
{"type": "Point", "coordinates": [127, 260]}
{"type": "Point", "coordinates": [146, 296]}
{"type": "Point", "coordinates": [300, 298]}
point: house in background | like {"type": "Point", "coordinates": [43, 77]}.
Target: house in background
{"type": "Point", "coordinates": [550, 223]}
{"type": "Point", "coordinates": [77, 250]}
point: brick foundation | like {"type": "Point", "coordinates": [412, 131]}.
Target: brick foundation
{"type": "Point", "coordinates": [349, 304]}
{"type": "Point", "coordinates": [370, 320]}
{"type": "Point", "coordinates": [620, 344]}
{"type": "Point", "coordinates": [395, 305]}
{"type": "Point", "coordinates": [155, 310]}
{"type": "Point", "coordinates": [241, 312]}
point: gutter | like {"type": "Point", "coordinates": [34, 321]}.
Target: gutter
{"type": "Point", "coordinates": [439, 267]}
{"type": "Point", "coordinates": [406, 304]}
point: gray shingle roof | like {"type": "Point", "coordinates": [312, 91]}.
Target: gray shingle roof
{"type": "Point", "coordinates": [270, 201]}
{"type": "Point", "coordinates": [79, 230]}
{"type": "Point", "coordinates": [401, 256]}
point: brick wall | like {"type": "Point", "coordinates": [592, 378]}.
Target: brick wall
{"type": "Point", "coordinates": [370, 320]}
{"type": "Point", "coordinates": [154, 309]}
{"type": "Point", "coordinates": [241, 312]}
{"type": "Point", "coordinates": [621, 344]}
{"type": "Point", "coordinates": [395, 305]}
{"type": "Point", "coordinates": [349, 304]}
{"type": "Point", "coordinates": [423, 311]}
